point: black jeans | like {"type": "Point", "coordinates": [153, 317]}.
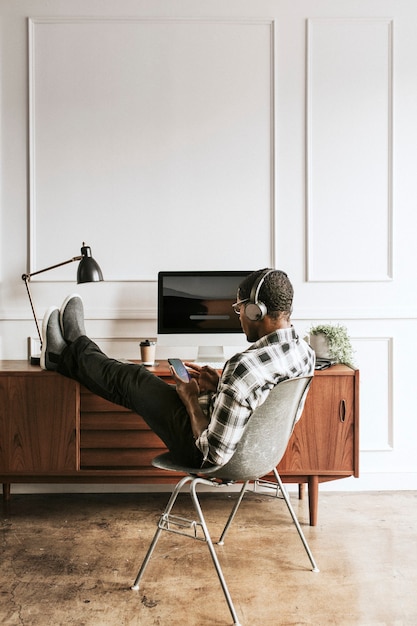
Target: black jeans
{"type": "Point", "coordinates": [137, 389]}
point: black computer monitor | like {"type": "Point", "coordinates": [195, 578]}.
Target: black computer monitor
{"type": "Point", "coordinates": [199, 303]}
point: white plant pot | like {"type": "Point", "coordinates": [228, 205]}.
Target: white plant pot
{"type": "Point", "coordinates": [320, 345]}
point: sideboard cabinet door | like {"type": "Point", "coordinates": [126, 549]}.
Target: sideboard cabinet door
{"type": "Point", "coordinates": [38, 429]}
{"type": "Point", "coordinates": [324, 441]}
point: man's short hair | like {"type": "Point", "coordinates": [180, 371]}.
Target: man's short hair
{"type": "Point", "coordinates": [276, 291]}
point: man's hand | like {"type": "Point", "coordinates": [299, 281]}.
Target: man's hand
{"type": "Point", "coordinates": [188, 393]}
{"type": "Point", "coordinates": [206, 376]}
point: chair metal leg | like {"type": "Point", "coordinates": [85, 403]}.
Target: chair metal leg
{"type": "Point", "coordinates": [164, 525]}
{"type": "Point", "coordinates": [220, 542]}
{"type": "Point", "coordinates": [296, 522]}
{"type": "Point", "coordinates": [210, 546]}
{"type": "Point", "coordinates": [159, 529]}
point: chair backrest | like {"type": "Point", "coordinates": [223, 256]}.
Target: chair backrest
{"type": "Point", "coordinates": [267, 432]}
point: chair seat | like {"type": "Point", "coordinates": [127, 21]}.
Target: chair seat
{"type": "Point", "coordinates": [166, 462]}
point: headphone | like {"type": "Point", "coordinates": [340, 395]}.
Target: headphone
{"type": "Point", "coordinates": [255, 310]}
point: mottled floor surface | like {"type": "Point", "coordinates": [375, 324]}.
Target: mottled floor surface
{"type": "Point", "coordinates": [70, 559]}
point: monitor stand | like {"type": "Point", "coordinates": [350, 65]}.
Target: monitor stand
{"type": "Point", "coordinates": [210, 354]}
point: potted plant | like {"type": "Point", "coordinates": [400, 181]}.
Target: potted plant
{"type": "Point", "coordinates": [331, 341]}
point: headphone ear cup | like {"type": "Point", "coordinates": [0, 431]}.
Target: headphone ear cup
{"type": "Point", "coordinates": [255, 311]}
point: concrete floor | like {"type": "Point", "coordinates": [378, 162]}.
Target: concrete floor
{"type": "Point", "coordinates": [70, 559]}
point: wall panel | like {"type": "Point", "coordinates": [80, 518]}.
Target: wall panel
{"type": "Point", "coordinates": [151, 139]}
{"type": "Point", "coordinates": [374, 356]}
{"type": "Point", "coordinates": [349, 150]}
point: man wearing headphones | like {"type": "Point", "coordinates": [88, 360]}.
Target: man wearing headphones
{"type": "Point", "coordinates": [200, 421]}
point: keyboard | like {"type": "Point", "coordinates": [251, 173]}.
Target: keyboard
{"type": "Point", "coordinates": [216, 365]}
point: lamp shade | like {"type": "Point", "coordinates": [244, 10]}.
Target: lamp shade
{"type": "Point", "coordinates": [88, 270]}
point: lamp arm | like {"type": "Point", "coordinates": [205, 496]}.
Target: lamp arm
{"type": "Point", "coordinates": [26, 278]}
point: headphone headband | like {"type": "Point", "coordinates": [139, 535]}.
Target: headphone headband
{"type": "Point", "coordinates": [256, 310]}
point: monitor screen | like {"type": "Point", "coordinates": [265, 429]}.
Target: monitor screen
{"type": "Point", "coordinates": [198, 302]}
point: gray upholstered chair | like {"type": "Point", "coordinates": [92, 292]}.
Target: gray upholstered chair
{"type": "Point", "coordinates": [258, 453]}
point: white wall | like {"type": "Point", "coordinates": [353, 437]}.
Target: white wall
{"type": "Point", "coordinates": [221, 134]}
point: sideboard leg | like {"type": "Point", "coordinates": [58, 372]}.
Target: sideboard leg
{"type": "Point", "coordinates": [6, 491]}
{"type": "Point", "coordinates": [313, 498]}
{"type": "Point", "coordinates": [301, 490]}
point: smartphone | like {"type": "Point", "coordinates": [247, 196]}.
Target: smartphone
{"type": "Point", "coordinates": [180, 369]}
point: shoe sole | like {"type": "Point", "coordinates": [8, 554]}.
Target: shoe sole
{"type": "Point", "coordinates": [44, 335]}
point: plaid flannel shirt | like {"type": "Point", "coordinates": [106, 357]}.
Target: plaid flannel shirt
{"type": "Point", "coordinates": [244, 385]}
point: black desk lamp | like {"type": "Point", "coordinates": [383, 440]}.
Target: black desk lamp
{"type": "Point", "coordinates": [88, 272]}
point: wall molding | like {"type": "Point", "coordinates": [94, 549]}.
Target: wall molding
{"type": "Point", "coordinates": [376, 364]}
{"type": "Point", "coordinates": [300, 315]}
{"type": "Point", "coordinates": [39, 36]}
{"type": "Point", "coordinates": [339, 252]}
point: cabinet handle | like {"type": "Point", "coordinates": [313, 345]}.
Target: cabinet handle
{"type": "Point", "coordinates": [342, 411]}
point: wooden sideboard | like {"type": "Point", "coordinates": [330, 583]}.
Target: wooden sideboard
{"type": "Point", "coordinates": [52, 430]}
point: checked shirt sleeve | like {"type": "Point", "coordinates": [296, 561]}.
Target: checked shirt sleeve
{"type": "Point", "coordinates": [228, 420]}
{"type": "Point", "coordinates": [232, 406]}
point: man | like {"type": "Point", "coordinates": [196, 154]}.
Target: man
{"type": "Point", "coordinates": [202, 421]}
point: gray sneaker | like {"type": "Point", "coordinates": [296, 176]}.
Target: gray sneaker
{"type": "Point", "coordinates": [72, 318]}
{"type": "Point", "coordinates": [53, 343]}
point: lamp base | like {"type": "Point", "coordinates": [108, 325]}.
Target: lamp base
{"type": "Point", "coordinates": [34, 351]}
